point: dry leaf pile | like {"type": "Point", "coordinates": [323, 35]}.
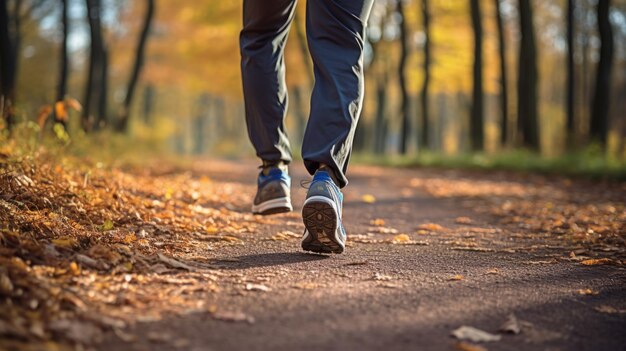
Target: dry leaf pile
{"type": "Point", "coordinates": [587, 217]}
{"type": "Point", "coordinates": [77, 239]}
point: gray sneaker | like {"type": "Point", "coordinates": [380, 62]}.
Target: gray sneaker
{"type": "Point", "coordinates": [273, 193]}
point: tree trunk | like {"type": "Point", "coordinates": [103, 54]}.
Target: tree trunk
{"type": "Point", "coordinates": [404, 96]}
{"type": "Point", "coordinates": [424, 140]}
{"type": "Point", "coordinates": [504, 91]}
{"type": "Point", "coordinates": [601, 97]}
{"type": "Point", "coordinates": [528, 125]}
{"type": "Point", "coordinates": [96, 74]}
{"type": "Point", "coordinates": [122, 125]}
{"type": "Point", "coordinates": [9, 48]}
{"type": "Point", "coordinates": [148, 104]}
{"type": "Point", "coordinates": [64, 65]}
{"type": "Point", "coordinates": [103, 88]}
{"type": "Point", "coordinates": [380, 130]}
{"type": "Point", "coordinates": [569, 84]}
{"type": "Point", "coordinates": [476, 117]}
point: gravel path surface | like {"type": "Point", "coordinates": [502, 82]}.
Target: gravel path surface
{"type": "Point", "coordinates": [458, 265]}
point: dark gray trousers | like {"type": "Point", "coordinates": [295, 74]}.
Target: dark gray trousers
{"type": "Point", "coordinates": [335, 34]}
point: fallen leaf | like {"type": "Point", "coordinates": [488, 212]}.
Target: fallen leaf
{"type": "Point", "coordinates": [368, 198]}
{"type": "Point", "coordinates": [597, 261]}
{"type": "Point", "coordinates": [285, 235]}
{"type": "Point", "coordinates": [474, 335]}
{"type": "Point", "coordinates": [463, 220]}
{"type": "Point", "coordinates": [257, 287]}
{"type": "Point", "coordinates": [107, 225]}
{"type": "Point", "coordinates": [378, 222]}
{"type": "Point", "coordinates": [65, 242]}
{"type": "Point", "coordinates": [433, 227]}
{"type": "Point", "coordinates": [456, 277]}
{"type": "Point", "coordinates": [401, 238]}
{"type": "Point", "coordinates": [587, 292]}
{"type": "Point", "coordinates": [231, 316]}
{"type": "Point", "coordinates": [511, 325]}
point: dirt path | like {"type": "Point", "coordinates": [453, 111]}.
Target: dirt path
{"type": "Point", "coordinates": [466, 261]}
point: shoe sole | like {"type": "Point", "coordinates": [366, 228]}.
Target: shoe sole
{"type": "Point", "coordinates": [273, 206]}
{"type": "Point", "coordinates": [320, 219]}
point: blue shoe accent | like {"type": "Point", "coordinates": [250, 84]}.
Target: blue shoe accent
{"type": "Point", "coordinates": [322, 214]}
{"type": "Point", "coordinates": [273, 193]}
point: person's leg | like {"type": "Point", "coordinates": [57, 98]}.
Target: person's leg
{"type": "Point", "coordinates": [335, 31]}
{"type": "Point", "coordinates": [262, 43]}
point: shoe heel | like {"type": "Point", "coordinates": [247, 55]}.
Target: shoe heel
{"type": "Point", "coordinates": [320, 220]}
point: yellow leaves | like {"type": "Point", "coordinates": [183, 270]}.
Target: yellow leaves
{"type": "Point", "coordinates": [378, 222]}
{"type": "Point", "coordinates": [404, 239]}
{"type": "Point", "coordinates": [368, 198]}
{"type": "Point", "coordinates": [60, 111]}
{"type": "Point", "coordinates": [73, 104]}
{"type": "Point", "coordinates": [65, 242]}
{"type": "Point", "coordinates": [107, 225]}
{"type": "Point", "coordinates": [597, 262]}
{"type": "Point", "coordinates": [211, 230]}
{"type": "Point", "coordinates": [43, 114]}
{"type": "Point", "coordinates": [168, 193]}
{"type": "Point", "coordinates": [74, 269]}
{"type": "Point", "coordinates": [587, 292]}
{"type": "Point", "coordinates": [130, 238]}
{"type": "Point", "coordinates": [433, 227]}
{"type": "Point", "coordinates": [285, 235]}
{"type": "Point", "coordinates": [401, 239]}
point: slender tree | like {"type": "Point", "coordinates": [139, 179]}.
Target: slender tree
{"type": "Point", "coordinates": [64, 65]}
{"type": "Point", "coordinates": [476, 117]}
{"type": "Point", "coordinates": [96, 85]}
{"type": "Point", "coordinates": [380, 124]}
{"type": "Point", "coordinates": [424, 140]}
{"type": "Point", "coordinates": [10, 39]}
{"type": "Point", "coordinates": [601, 97]}
{"type": "Point", "coordinates": [528, 126]}
{"type": "Point", "coordinates": [504, 92]}
{"type": "Point", "coordinates": [122, 124]}
{"type": "Point", "coordinates": [404, 95]}
{"type": "Point", "coordinates": [569, 84]}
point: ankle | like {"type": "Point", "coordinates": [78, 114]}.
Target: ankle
{"type": "Point", "coordinates": [330, 171]}
{"type": "Point", "coordinates": [267, 166]}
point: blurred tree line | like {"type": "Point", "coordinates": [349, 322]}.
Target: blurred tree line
{"type": "Point", "coordinates": [447, 76]}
